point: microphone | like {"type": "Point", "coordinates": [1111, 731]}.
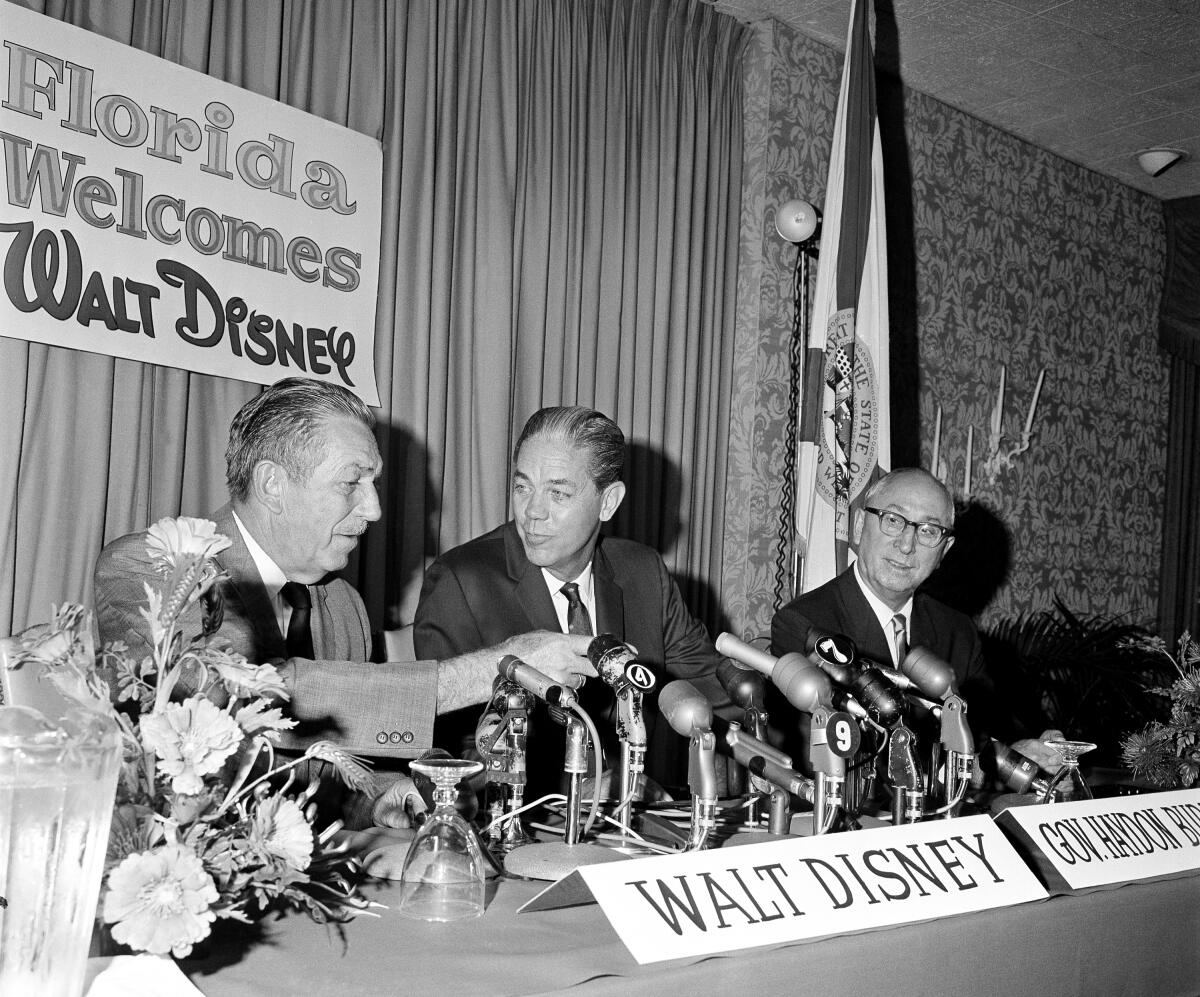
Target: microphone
{"type": "Point", "coordinates": [685, 708]}
{"type": "Point", "coordinates": [802, 683]}
{"type": "Point", "coordinates": [744, 686]}
{"type": "Point", "coordinates": [618, 665]}
{"type": "Point", "coordinates": [1018, 772]}
{"type": "Point", "coordinates": [690, 715]}
{"type": "Point", "coordinates": [532, 680]}
{"type": "Point", "coordinates": [746, 689]}
{"type": "Point", "coordinates": [872, 689]}
{"type": "Point", "coordinates": [619, 668]}
{"type": "Point", "coordinates": [929, 673]}
{"type": "Point", "coordinates": [500, 737]}
{"type": "Point", "coordinates": [767, 762]}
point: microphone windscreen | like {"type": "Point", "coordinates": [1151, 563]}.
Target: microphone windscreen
{"type": "Point", "coordinates": [746, 688]}
{"type": "Point", "coordinates": [685, 707]}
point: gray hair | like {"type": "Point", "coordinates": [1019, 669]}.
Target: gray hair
{"type": "Point", "coordinates": [593, 432]}
{"type": "Point", "coordinates": [286, 424]}
{"type": "Point", "coordinates": [903, 472]}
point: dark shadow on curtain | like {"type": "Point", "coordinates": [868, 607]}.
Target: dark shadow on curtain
{"type": "Point", "coordinates": [977, 565]}
{"type": "Point", "coordinates": [904, 366]}
{"type": "Point", "coordinates": [1179, 335]}
{"type": "Point", "coordinates": [405, 530]}
{"type": "Point", "coordinates": [652, 515]}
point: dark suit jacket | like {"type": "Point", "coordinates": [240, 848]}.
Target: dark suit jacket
{"type": "Point", "coordinates": [839, 606]}
{"type": "Point", "coordinates": [372, 709]}
{"type": "Point", "coordinates": [486, 591]}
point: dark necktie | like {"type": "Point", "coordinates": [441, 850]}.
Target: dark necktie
{"type": "Point", "coordinates": [578, 620]}
{"type": "Point", "coordinates": [900, 636]}
{"type": "Point", "coordinates": [299, 632]}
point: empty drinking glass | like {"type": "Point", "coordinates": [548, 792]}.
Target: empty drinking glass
{"type": "Point", "coordinates": [444, 876]}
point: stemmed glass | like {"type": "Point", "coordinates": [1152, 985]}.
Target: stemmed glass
{"type": "Point", "coordinates": [444, 876]}
{"type": "Point", "coordinates": [1068, 782]}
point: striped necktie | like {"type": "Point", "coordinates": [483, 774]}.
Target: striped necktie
{"type": "Point", "coordinates": [578, 619]}
{"type": "Point", "coordinates": [899, 637]}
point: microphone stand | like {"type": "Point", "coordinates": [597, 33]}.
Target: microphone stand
{"type": "Point", "coordinates": [575, 765]}
{"type": "Point", "coordinates": [771, 767]}
{"type": "Point", "coordinates": [632, 731]}
{"type": "Point", "coordinates": [960, 753]}
{"type": "Point", "coordinates": [830, 769]}
{"type": "Point", "coordinates": [702, 781]}
{"type": "Point", "coordinates": [905, 776]}
{"type": "Point", "coordinates": [503, 750]}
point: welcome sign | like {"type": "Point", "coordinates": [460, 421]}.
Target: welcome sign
{"type": "Point", "coordinates": [700, 903]}
{"type": "Point", "coordinates": [156, 214]}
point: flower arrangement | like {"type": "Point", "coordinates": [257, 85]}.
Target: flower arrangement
{"type": "Point", "coordinates": [1167, 752]}
{"type": "Point", "coordinates": [209, 822]}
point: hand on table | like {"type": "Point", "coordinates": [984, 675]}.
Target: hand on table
{"type": "Point", "coordinates": [1048, 759]}
{"type": "Point", "coordinates": [399, 805]}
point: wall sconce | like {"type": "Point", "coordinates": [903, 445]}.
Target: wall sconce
{"type": "Point", "coordinates": [1157, 161]}
{"type": "Point", "coordinates": [999, 457]}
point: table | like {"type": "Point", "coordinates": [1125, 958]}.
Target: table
{"type": "Point", "coordinates": [1136, 939]}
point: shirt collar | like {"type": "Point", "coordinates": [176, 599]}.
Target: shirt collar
{"type": "Point", "coordinates": [583, 580]}
{"type": "Point", "coordinates": [884, 612]}
{"type": "Point", "coordinates": [272, 575]}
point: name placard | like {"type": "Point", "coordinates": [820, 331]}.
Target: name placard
{"type": "Point", "coordinates": [1089, 843]}
{"type": "Point", "coordinates": [700, 903]}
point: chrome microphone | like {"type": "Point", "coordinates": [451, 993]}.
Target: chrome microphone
{"type": "Point", "coordinates": [500, 738]}
{"type": "Point", "coordinates": [690, 715]}
{"type": "Point", "coordinates": [1018, 772]}
{"type": "Point", "coordinates": [618, 667]}
{"type": "Point", "coordinates": [746, 689]}
{"type": "Point", "coordinates": [539, 683]}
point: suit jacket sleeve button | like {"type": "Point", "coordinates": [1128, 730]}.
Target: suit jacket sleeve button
{"type": "Point", "coordinates": [395, 737]}
{"type": "Point", "coordinates": [382, 737]}
{"type": "Point", "coordinates": [407, 737]}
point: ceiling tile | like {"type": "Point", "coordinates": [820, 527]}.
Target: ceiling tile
{"type": "Point", "coordinates": [1090, 80]}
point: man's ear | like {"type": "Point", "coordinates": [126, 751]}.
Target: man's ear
{"type": "Point", "coordinates": [856, 526]}
{"type": "Point", "coordinates": [610, 500]}
{"type": "Point", "coordinates": [268, 484]}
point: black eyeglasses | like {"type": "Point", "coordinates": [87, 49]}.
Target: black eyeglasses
{"type": "Point", "coordinates": [927, 534]}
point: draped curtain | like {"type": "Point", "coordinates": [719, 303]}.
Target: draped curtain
{"type": "Point", "coordinates": [561, 203]}
{"type": "Point", "coordinates": [1179, 336]}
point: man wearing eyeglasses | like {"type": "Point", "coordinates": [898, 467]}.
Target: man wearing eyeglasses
{"type": "Point", "coordinates": [901, 535]}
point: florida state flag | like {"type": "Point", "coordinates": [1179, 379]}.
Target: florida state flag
{"type": "Point", "coordinates": [844, 432]}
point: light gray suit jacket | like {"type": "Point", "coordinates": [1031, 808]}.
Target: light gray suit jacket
{"type": "Point", "coordinates": [370, 709]}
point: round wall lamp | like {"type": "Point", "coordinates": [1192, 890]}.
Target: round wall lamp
{"type": "Point", "coordinates": [1156, 161]}
{"type": "Point", "coordinates": [796, 220]}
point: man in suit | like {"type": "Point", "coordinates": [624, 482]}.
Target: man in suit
{"type": "Point", "coordinates": [903, 530]}
{"type": "Point", "coordinates": [301, 465]}
{"type": "Point", "coordinates": [550, 568]}
{"type": "Point", "coordinates": [901, 534]}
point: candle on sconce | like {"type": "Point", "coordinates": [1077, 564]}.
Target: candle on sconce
{"type": "Point", "coordinates": [937, 444]}
{"type": "Point", "coordinates": [1037, 391]}
{"type": "Point", "coordinates": [998, 411]}
{"type": "Point", "coordinates": [967, 469]}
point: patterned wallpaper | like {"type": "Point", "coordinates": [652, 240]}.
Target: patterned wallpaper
{"type": "Point", "coordinates": [999, 254]}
